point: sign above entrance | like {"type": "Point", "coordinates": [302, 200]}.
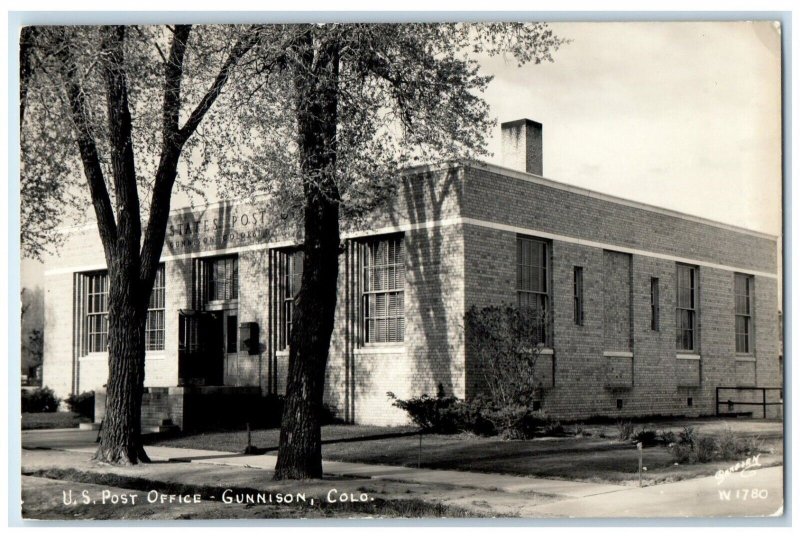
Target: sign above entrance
{"type": "Point", "coordinates": [218, 227]}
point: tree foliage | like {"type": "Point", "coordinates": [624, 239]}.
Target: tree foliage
{"type": "Point", "coordinates": [319, 117]}
{"type": "Point", "coordinates": [121, 104]}
{"type": "Point", "coordinates": [53, 188]}
{"type": "Point", "coordinates": [406, 95]}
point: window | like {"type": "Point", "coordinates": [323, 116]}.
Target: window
{"type": "Point", "coordinates": [577, 295]}
{"type": "Point", "coordinates": [743, 293]}
{"type": "Point", "coordinates": [223, 281]}
{"type": "Point", "coordinates": [291, 274]}
{"type": "Point", "coordinates": [533, 280]}
{"type": "Point", "coordinates": [97, 312]}
{"type": "Point", "coordinates": [686, 311]}
{"type": "Point", "coordinates": [654, 305]}
{"type": "Point", "coordinates": [154, 326]}
{"type": "Point", "coordinates": [383, 265]}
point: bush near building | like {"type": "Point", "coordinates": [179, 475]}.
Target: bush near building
{"type": "Point", "coordinates": [41, 400]}
{"type": "Point", "coordinates": [82, 403]}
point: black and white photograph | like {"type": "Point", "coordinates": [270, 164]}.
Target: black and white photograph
{"type": "Point", "coordinates": [381, 267]}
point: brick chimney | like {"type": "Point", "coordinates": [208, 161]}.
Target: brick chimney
{"type": "Point", "coordinates": [522, 145]}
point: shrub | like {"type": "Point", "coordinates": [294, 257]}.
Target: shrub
{"type": "Point", "coordinates": [269, 411]}
{"type": "Point", "coordinates": [683, 453]}
{"type": "Point", "coordinates": [668, 438]}
{"type": "Point", "coordinates": [687, 436]}
{"type": "Point", "coordinates": [474, 417]}
{"type": "Point", "coordinates": [442, 414]}
{"type": "Point", "coordinates": [750, 446]}
{"type": "Point", "coordinates": [732, 447]}
{"type": "Point", "coordinates": [41, 400]}
{"type": "Point", "coordinates": [514, 421]}
{"type": "Point", "coordinates": [706, 448]}
{"type": "Point", "coordinates": [82, 403]}
{"type": "Point", "coordinates": [625, 430]}
{"type": "Point", "coordinates": [505, 343]}
{"type": "Point", "coordinates": [553, 427]}
{"type": "Point", "coordinates": [728, 449]}
{"type": "Point", "coordinates": [329, 415]}
{"type": "Point", "coordinates": [646, 437]}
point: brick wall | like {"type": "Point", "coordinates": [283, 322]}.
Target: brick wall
{"type": "Point", "coordinates": [460, 227]}
{"type": "Point", "coordinates": [57, 368]}
{"type": "Point", "coordinates": [659, 381]}
{"type": "Point", "coordinates": [359, 375]}
{"type": "Point", "coordinates": [504, 199]}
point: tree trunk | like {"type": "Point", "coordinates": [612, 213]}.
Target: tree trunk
{"type": "Point", "coordinates": [120, 437]}
{"type": "Point", "coordinates": [300, 450]}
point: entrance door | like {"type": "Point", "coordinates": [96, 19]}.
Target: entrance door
{"type": "Point", "coordinates": [200, 355]}
{"type": "Point", "coordinates": [231, 342]}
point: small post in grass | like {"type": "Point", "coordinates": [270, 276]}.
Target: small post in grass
{"type": "Point", "coordinates": [639, 446]}
{"type": "Point", "coordinates": [419, 452]}
{"type": "Point", "coordinates": [249, 448]}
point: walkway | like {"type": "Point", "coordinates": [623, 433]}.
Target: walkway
{"type": "Point", "coordinates": [484, 481]}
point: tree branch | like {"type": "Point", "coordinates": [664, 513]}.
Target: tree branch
{"type": "Point", "coordinates": [120, 136]}
{"type": "Point", "coordinates": [240, 49]}
{"type": "Point", "coordinates": [175, 138]}
{"type": "Point", "coordinates": [88, 148]}
{"type": "Point", "coordinates": [173, 73]}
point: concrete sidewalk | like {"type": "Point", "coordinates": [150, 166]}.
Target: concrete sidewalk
{"type": "Point", "coordinates": [482, 481]}
{"type": "Point", "coordinates": [756, 494]}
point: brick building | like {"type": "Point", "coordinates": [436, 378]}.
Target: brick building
{"type": "Point", "coordinates": [652, 310]}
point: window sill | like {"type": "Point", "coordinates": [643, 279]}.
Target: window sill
{"type": "Point", "coordinates": [546, 351]}
{"type": "Point", "coordinates": [221, 304]}
{"type": "Point", "coordinates": [620, 354]}
{"type": "Point", "coordinates": [381, 349]}
{"type": "Point", "coordinates": [688, 356]}
{"type": "Point", "coordinates": [282, 352]}
{"type": "Point", "coordinates": [746, 358]}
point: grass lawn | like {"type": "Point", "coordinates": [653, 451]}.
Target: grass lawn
{"type": "Point", "coordinates": [598, 457]}
{"type": "Point", "coordinates": [235, 441]}
{"type": "Point", "coordinates": [45, 421]}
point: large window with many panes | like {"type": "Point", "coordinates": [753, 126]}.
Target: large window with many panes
{"type": "Point", "coordinates": [743, 293]}
{"type": "Point", "coordinates": [383, 285]}
{"type": "Point", "coordinates": [291, 273]}
{"type": "Point", "coordinates": [533, 282]}
{"type": "Point", "coordinates": [223, 279]}
{"type": "Point", "coordinates": [97, 313]}
{"type": "Point", "coordinates": [154, 326]}
{"type": "Point", "coordinates": [686, 308]}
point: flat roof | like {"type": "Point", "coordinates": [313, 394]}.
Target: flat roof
{"type": "Point", "coordinates": [541, 180]}
{"type": "Point", "coordinates": [501, 170]}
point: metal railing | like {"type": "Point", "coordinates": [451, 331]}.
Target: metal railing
{"type": "Point", "coordinates": [763, 404]}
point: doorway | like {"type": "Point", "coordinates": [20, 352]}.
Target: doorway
{"type": "Point", "coordinates": [200, 351]}
{"type": "Point", "coordinates": [231, 345]}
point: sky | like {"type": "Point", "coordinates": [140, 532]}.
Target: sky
{"type": "Point", "coordinates": [685, 116]}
